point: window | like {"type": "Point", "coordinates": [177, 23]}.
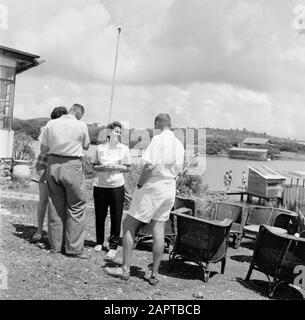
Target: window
{"type": "Point", "coordinates": [7, 86]}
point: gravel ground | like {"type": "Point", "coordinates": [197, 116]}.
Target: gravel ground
{"type": "Point", "coordinates": [35, 273]}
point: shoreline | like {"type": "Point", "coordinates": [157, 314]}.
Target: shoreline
{"type": "Point", "coordinates": [297, 157]}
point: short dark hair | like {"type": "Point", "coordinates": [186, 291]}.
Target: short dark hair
{"type": "Point", "coordinates": [58, 112]}
{"type": "Point", "coordinates": [114, 124]}
{"type": "Point", "coordinates": [78, 106]}
{"type": "Point", "coordinates": [163, 119]}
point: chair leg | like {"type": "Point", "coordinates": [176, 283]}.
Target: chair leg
{"type": "Point", "coordinates": [250, 271]}
{"type": "Point", "coordinates": [170, 244]}
{"type": "Point", "coordinates": [171, 260]}
{"type": "Point", "coordinates": [206, 273]}
{"type": "Point", "coordinates": [273, 286]}
{"type": "Point", "coordinates": [136, 241]}
{"type": "Point", "coordinates": [237, 241]}
{"type": "Point", "coordinates": [234, 240]}
{"type": "Point", "coordinates": [223, 265]}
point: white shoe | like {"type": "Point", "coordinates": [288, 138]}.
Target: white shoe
{"type": "Point", "coordinates": [98, 248]}
{"type": "Point", "coordinates": [111, 254]}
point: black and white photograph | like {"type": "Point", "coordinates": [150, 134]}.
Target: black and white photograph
{"type": "Point", "coordinates": [152, 152]}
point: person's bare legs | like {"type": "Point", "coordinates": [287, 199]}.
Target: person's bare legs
{"type": "Point", "coordinates": [158, 244]}
{"type": "Point", "coordinates": [130, 225]}
{"type": "Point", "coordinates": [41, 212]}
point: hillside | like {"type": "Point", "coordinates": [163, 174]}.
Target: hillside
{"type": "Point", "coordinates": [219, 141]}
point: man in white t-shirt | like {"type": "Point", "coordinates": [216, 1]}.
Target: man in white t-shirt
{"type": "Point", "coordinates": [155, 195]}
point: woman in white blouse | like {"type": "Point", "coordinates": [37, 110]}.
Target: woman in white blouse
{"type": "Point", "coordinates": [110, 161]}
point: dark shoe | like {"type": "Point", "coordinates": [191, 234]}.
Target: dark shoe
{"type": "Point", "coordinates": [36, 237]}
{"type": "Point", "coordinates": [80, 256]}
{"type": "Point", "coordinates": [117, 273]}
{"type": "Point", "coordinates": [153, 281]}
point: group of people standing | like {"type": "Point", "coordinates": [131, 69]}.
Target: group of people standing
{"type": "Point", "coordinates": [62, 187]}
{"type": "Point", "coordinates": [228, 177]}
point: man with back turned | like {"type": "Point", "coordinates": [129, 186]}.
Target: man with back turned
{"type": "Point", "coordinates": [154, 197]}
{"type": "Point", "coordinates": [65, 139]}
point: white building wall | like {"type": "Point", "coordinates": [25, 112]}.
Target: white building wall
{"type": "Point", "coordinates": [6, 143]}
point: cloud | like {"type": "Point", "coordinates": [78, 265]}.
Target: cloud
{"type": "Point", "coordinates": [220, 63]}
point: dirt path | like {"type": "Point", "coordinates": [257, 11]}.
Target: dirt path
{"type": "Point", "coordinates": [27, 196]}
{"type": "Point", "coordinates": [35, 273]}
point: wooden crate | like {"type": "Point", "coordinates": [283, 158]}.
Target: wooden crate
{"type": "Point", "coordinates": [264, 182]}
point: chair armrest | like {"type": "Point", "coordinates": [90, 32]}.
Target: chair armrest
{"type": "Point", "coordinates": [225, 223]}
{"type": "Point", "coordinates": [183, 210]}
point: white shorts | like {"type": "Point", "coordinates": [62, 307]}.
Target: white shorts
{"type": "Point", "coordinates": [153, 201]}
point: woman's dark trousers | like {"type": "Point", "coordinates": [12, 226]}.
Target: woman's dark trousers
{"type": "Point", "coordinates": [103, 199]}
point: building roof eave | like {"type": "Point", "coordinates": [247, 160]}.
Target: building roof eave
{"type": "Point", "coordinates": [24, 60]}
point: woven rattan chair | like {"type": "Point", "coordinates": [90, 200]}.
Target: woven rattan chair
{"type": "Point", "coordinates": [236, 212]}
{"type": "Point", "coordinates": [182, 205]}
{"type": "Point", "coordinates": [301, 218]}
{"type": "Point", "coordinates": [276, 255]}
{"type": "Point", "coordinates": [283, 221]}
{"type": "Point", "coordinates": [301, 208]}
{"type": "Point", "coordinates": [201, 241]}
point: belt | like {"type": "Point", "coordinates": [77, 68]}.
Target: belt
{"type": "Point", "coordinates": [65, 157]}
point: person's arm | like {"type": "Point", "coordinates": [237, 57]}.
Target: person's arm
{"type": "Point", "coordinates": [121, 167]}
{"type": "Point", "coordinates": [43, 139]}
{"type": "Point", "coordinates": [111, 167]}
{"type": "Point", "coordinates": [97, 166]}
{"type": "Point", "coordinates": [149, 158]}
{"type": "Point", "coordinates": [43, 148]}
{"type": "Point", "coordinates": [101, 167]}
{"type": "Point", "coordinates": [86, 138]}
{"type": "Point", "coordinates": [145, 174]}
{"type": "Point", "coordinates": [126, 162]}
{"type": "Point", "coordinates": [96, 163]}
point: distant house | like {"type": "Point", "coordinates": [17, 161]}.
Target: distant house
{"type": "Point", "coordinates": [300, 142]}
{"type": "Point", "coordinates": [255, 143]}
{"type": "Point", "coordinates": [248, 154]}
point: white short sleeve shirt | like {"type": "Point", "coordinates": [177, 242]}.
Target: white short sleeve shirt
{"type": "Point", "coordinates": [106, 154]}
{"type": "Point", "coordinates": [65, 136]}
{"type": "Point", "coordinates": [166, 153]}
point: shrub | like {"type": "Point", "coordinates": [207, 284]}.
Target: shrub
{"type": "Point", "coordinates": [191, 186]}
{"type": "Point", "coordinates": [22, 149]}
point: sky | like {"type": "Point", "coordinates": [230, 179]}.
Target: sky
{"type": "Point", "coordinates": [208, 63]}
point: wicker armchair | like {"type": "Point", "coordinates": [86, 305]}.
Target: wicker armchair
{"type": "Point", "coordinates": [236, 212]}
{"type": "Point", "coordinates": [201, 241]}
{"type": "Point", "coordinates": [276, 256]}
{"type": "Point", "coordinates": [301, 218]}
{"type": "Point", "coordinates": [182, 205]}
{"type": "Point", "coordinates": [283, 221]}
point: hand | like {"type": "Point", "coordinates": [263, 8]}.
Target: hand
{"type": "Point", "coordinates": [102, 167]}
{"type": "Point", "coordinates": [110, 167]}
